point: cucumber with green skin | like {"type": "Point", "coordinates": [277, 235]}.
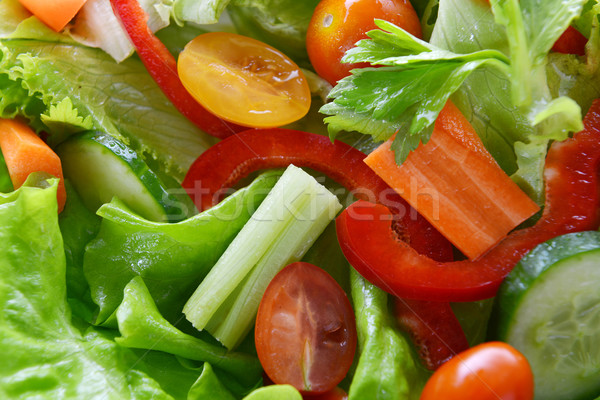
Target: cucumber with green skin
{"type": "Point", "coordinates": [101, 167]}
{"type": "Point", "coordinates": [549, 309]}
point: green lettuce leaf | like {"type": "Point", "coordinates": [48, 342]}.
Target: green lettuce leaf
{"type": "Point", "coordinates": [5, 182]}
{"type": "Point", "coordinates": [143, 327]}
{"type": "Point", "coordinates": [46, 355]}
{"type": "Point", "coordinates": [172, 258]}
{"type": "Point", "coordinates": [382, 349]}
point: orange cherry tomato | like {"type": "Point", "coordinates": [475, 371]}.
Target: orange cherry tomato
{"type": "Point", "coordinates": [305, 330]}
{"type": "Point", "coordinates": [336, 26]}
{"type": "Point", "coordinates": [489, 371]}
{"type": "Point", "coordinates": [243, 80]}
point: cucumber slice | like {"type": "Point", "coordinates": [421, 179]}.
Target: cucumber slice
{"type": "Point", "coordinates": [101, 167]}
{"type": "Point", "coordinates": [549, 309]}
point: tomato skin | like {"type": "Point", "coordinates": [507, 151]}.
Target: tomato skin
{"type": "Point", "coordinates": [336, 26]}
{"type": "Point", "coordinates": [305, 329]}
{"type": "Point", "coordinates": [335, 394]}
{"type": "Point", "coordinates": [489, 371]}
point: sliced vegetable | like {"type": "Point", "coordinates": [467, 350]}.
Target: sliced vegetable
{"type": "Point", "coordinates": [243, 80]}
{"type": "Point", "coordinates": [433, 328]}
{"type": "Point", "coordinates": [281, 230]}
{"type": "Point", "coordinates": [572, 204]}
{"type": "Point", "coordinates": [54, 13]}
{"type": "Point", "coordinates": [224, 164]}
{"type": "Point", "coordinates": [489, 371]}
{"type": "Point", "coordinates": [305, 330]}
{"type": "Point", "coordinates": [163, 68]}
{"type": "Point", "coordinates": [24, 152]}
{"type": "Point", "coordinates": [549, 307]}
{"type": "Point", "coordinates": [455, 183]}
{"type": "Point", "coordinates": [571, 42]}
{"type": "Point", "coordinates": [101, 167]}
{"type": "Point", "coordinates": [337, 25]}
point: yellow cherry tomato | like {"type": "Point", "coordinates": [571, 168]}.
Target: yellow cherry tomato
{"type": "Point", "coordinates": [243, 80]}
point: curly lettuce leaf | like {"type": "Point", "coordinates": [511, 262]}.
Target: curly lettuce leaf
{"type": "Point", "coordinates": [40, 69]}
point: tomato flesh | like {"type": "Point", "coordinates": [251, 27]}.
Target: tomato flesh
{"type": "Point", "coordinates": [305, 329]}
{"type": "Point", "coordinates": [336, 26]}
{"type": "Point", "coordinates": [243, 80]}
{"type": "Point", "coordinates": [489, 371]}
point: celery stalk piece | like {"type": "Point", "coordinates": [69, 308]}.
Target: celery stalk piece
{"type": "Point", "coordinates": [282, 229]}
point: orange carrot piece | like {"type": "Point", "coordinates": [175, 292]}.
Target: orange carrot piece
{"type": "Point", "coordinates": [54, 13]}
{"type": "Point", "coordinates": [456, 184]}
{"type": "Point", "coordinates": [24, 152]}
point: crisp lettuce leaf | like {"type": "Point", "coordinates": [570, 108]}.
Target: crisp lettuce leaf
{"type": "Point", "coordinates": [172, 258]}
{"type": "Point", "coordinates": [143, 327]}
{"type": "Point", "coordinates": [46, 356]}
{"type": "Point", "coordinates": [36, 75]}
{"type": "Point", "coordinates": [5, 182]}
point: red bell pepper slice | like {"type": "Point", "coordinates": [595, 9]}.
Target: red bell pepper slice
{"type": "Point", "coordinates": [162, 66]}
{"type": "Point", "coordinates": [571, 42]}
{"type": "Point", "coordinates": [224, 164]}
{"type": "Point", "coordinates": [433, 329]}
{"type": "Point", "coordinates": [572, 204]}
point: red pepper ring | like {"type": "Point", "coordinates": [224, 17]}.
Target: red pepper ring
{"type": "Point", "coordinates": [572, 204]}
{"type": "Point", "coordinates": [223, 165]}
{"type": "Point", "coordinates": [162, 66]}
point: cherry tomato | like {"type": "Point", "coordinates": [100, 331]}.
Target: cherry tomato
{"type": "Point", "coordinates": [305, 330]}
{"type": "Point", "coordinates": [243, 80]}
{"type": "Point", "coordinates": [336, 26]}
{"type": "Point", "coordinates": [489, 371]}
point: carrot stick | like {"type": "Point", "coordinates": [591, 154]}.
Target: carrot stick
{"type": "Point", "coordinates": [24, 152]}
{"type": "Point", "coordinates": [54, 13]}
{"type": "Point", "coordinates": [456, 185]}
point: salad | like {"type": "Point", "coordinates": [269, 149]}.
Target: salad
{"type": "Point", "coordinates": [164, 234]}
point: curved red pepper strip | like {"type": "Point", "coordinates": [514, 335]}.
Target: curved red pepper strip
{"type": "Point", "coordinates": [224, 164]}
{"type": "Point", "coordinates": [433, 328]}
{"type": "Point", "coordinates": [162, 66]}
{"type": "Point", "coordinates": [572, 204]}
{"type": "Point", "coordinates": [230, 160]}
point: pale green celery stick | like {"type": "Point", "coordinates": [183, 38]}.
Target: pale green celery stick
{"type": "Point", "coordinates": [291, 246]}
{"type": "Point", "coordinates": [282, 229]}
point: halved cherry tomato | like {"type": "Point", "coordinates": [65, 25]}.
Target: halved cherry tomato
{"type": "Point", "coordinates": [162, 67]}
{"type": "Point", "coordinates": [336, 26]}
{"type": "Point", "coordinates": [243, 80]}
{"type": "Point", "coordinates": [489, 371]}
{"type": "Point", "coordinates": [305, 329]}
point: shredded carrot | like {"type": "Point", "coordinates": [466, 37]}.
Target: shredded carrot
{"type": "Point", "coordinates": [24, 152]}
{"type": "Point", "coordinates": [456, 184]}
{"type": "Point", "coordinates": [54, 13]}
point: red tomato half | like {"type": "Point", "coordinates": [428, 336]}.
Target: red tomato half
{"type": "Point", "coordinates": [305, 329]}
{"type": "Point", "coordinates": [337, 25]}
{"type": "Point", "coordinates": [489, 371]}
